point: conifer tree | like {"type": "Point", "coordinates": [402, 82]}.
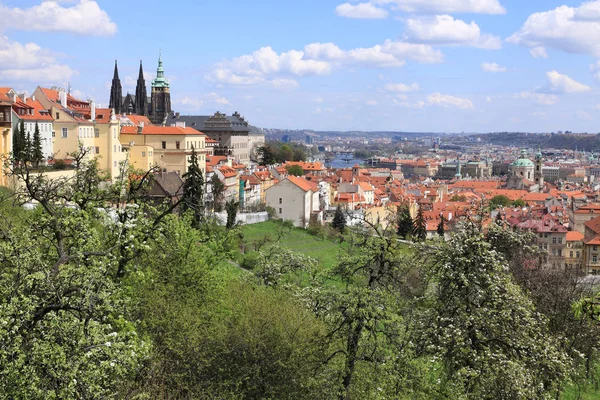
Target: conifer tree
{"type": "Point", "coordinates": [420, 225]}
{"type": "Point", "coordinates": [28, 152]}
{"type": "Point", "coordinates": [193, 189]}
{"type": "Point", "coordinates": [17, 148]}
{"type": "Point", "coordinates": [339, 220]}
{"type": "Point", "coordinates": [440, 227]}
{"type": "Point", "coordinates": [405, 222]}
{"type": "Point", "coordinates": [37, 155]}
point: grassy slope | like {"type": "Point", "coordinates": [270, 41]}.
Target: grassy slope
{"type": "Point", "coordinates": [326, 251]}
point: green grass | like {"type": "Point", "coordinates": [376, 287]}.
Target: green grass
{"type": "Point", "coordinates": [325, 251]}
{"type": "Point", "coordinates": [587, 392]}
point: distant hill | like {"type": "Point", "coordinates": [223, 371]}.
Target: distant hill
{"type": "Point", "coordinates": [583, 142]}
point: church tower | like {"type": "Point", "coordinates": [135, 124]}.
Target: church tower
{"type": "Point", "coordinates": [161, 96]}
{"type": "Point", "coordinates": [116, 93]}
{"type": "Point", "coordinates": [141, 97]}
{"type": "Point", "coordinates": [539, 173]}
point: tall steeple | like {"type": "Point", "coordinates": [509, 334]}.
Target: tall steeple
{"type": "Point", "coordinates": [116, 92]}
{"type": "Point", "coordinates": [141, 97]}
{"type": "Point", "coordinates": [161, 96]}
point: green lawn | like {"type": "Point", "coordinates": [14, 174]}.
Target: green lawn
{"type": "Point", "coordinates": [325, 251]}
{"type": "Point", "coordinates": [585, 393]}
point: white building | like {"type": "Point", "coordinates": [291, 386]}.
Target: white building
{"type": "Point", "coordinates": [295, 199]}
{"type": "Point", "coordinates": [31, 111]}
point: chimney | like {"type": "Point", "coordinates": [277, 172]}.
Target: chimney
{"type": "Point", "coordinates": [93, 111]}
{"type": "Point", "coordinates": [63, 97]}
{"type": "Point", "coordinates": [33, 97]}
{"type": "Point", "coordinates": [113, 116]}
{"type": "Point", "coordinates": [142, 124]}
{"type": "Point", "coordinates": [180, 124]}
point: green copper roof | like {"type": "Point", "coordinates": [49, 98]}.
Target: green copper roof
{"type": "Point", "coordinates": [160, 80]}
{"type": "Point", "coordinates": [523, 161]}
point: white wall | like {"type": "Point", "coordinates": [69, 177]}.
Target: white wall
{"type": "Point", "coordinates": [295, 203]}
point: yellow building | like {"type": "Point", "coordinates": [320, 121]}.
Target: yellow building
{"type": "Point", "coordinates": [168, 147]}
{"type": "Point", "coordinates": [5, 133]}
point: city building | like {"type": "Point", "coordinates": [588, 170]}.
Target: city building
{"type": "Point", "coordinates": [295, 199]}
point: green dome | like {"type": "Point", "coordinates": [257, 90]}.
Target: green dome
{"type": "Point", "coordinates": [522, 162]}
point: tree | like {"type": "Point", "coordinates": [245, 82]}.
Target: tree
{"type": "Point", "coordinates": [285, 153]}
{"type": "Point", "coordinates": [405, 222]}
{"type": "Point", "coordinates": [420, 225]}
{"type": "Point", "coordinates": [518, 203]}
{"type": "Point", "coordinates": [267, 155]}
{"type": "Point", "coordinates": [232, 208]}
{"type": "Point", "coordinates": [440, 227]}
{"type": "Point", "coordinates": [28, 153]}
{"type": "Point", "coordinates": [17, 146]}
{"type": "Point", "coordinates": [339, 220]}
{"type": "Point", "coordinates": [218, 193]}
{"type": "Point", "coordinates": [499, 201]}
{"type": "Point", "coordinates": [459, 198]}
{"type": "Point", "coordinates": [295, 170]}
{"type": "Point", "coordinates": [37, 155]}
{"type": "Point", "coordinates": [476, 326]}
{"type": "Point", "coordinates": [193, 190]}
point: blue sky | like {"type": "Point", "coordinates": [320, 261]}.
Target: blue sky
{"type": "Point", "coordinates": [411, 65]}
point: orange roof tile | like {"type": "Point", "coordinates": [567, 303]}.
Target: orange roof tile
{"type": "Point", "coordinates": [301, 183]}
{"type": "Point", "coordinates": [574, 236]}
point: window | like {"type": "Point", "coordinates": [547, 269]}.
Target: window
{"type": "Point", "coordinates": [553, 240]}
{"type": "Point", "coordinates": [570, 254]}
{"type": "Point", "coordinates": [114, 148]}
{"type": "Point", "coordinates": [280, 200]}
{"type": "Point", "coordinates": [97, 150]}
{"type": "Point", "coordinates": [65, 132]}
{"type": "Point", "coordinates": [559, 252]}
{"type": "Point", "coordinates": [545, 235]}
{"type": "Point", "coordinates": [115, 163]}
{"type": "Point", "coordinates": [594, 259]}
{"type": "Point", "coordinates": [553, 252]}
{"type": "Point", "coordinates": [595, 248]}
{"type": "Point", "coordinates": [143, 154]}
{"type": "Point", "coordinates": [559, 240]}
{"type": "Point", "coordinates": [57, 116]}
{"type": "Point", "coordinates": [280, 211]}
{"type": "Point", "coordinates": [545, 246]}
{"type": "Point", "coordinates": [53, 134]}
{"type": "Point", "coordinates": [164, 145]}
{"type": "Point", "coordinates": [177, 145]}
{"type": "Point", "coordinates": [577, 254]}
{"type": "Point", "coordinates": [96, 132]}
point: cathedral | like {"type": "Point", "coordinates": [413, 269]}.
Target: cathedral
{"type": "Point", "coordinates": [157, 108]}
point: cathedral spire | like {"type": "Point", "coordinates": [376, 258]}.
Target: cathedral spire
{"type": "Point", "coordinates": [141, 97]}
{"type": "Point", "coordinates": [116, 92]}
{"type": "Point", "coordinates": [160, 80]}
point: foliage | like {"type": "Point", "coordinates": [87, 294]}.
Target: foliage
{"type": "Point", "coordinates": [37, 155]}
{"type": "Point", "coordinates": [232, 208]}
{"type": "Point", "coordinates": [193, 190]}
{"type": "Point", "coordinates": [405, 222]}
{"type": "Point", "coordinates": [499, 201]}
{"type": "Point", "coordinates": [218, 193]}
{"type": "Point", "coordinates": [339, 220]}
{"type": "Point", "coordinates": [441, 226]}
{"type": "Point", "coordinates": [420, 225]}
{"type": "Point", "coordinates": [295, 170]}
{"type": "Point", "coordinates": [483, 329]}
{"type": "Point", "coordinates": [267, 155]}
{"type": "Point", "coordinates": [518, 203]}
{"type": "Point", "coordinates": [459, 198]}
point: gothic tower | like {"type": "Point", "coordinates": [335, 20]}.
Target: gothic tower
{"type": "Point", "coordinates": [141, 98]}
{"type": "Point", "coordinates": [116, 93]}
{"type": "Point", "coordinates": [161, 96]}
{"type": "Point", "coordinates": [539, 173]}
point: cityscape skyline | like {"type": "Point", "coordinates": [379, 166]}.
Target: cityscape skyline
{"type": "Point", "coordinates": [393, 65]}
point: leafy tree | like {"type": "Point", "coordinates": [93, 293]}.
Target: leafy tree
{"type": "Point", "coordinates": [267, 155]}
{"type": "Point", "coordinates": [295, 170]}
{"type": "Point", "coordinates": [440, 227]}
{"type": "Point", "coordinates": [420, 225]}
{"type": "Point", "coordinates": [499, 201]}
{"type": "Point", "coordinates": [518, 203]}
{"type": "Point", "coordinates": [459, 198]}
{"type": "Point", "coordinates": [339, 220]}
{"type": "Point", "coordinates": [286, 153]}
{"type": "Point", "coordinates": [193, 189]}
{"type": "Point", "coordinates": [218, 193]}
{"type": "Point", "coordinates": [37, 155]}
{"type": "Point", "coordinates": [486, 333]}
{"type": "Point", "coordinates": [232, 208]}
{"type": "Point", "coordinates": [405, 222]}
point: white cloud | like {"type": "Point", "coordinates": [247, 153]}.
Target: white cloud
{"type": "Point", "coordinates": [559, 84]}
{"type": "Point", "coordinates": [445, 30]}
{"type": "Point", "coordinates": [217, 98]}
{"type": "Point", "coordinates": [538, 52]}
{"type": "Point", "coordinates": [445, 100]}
{"type": "Point", "coordinates": [84, 18]}
{"type": "Point", "coordinates": [282, 83]}
{"type": "Point", "coordinates": [539, 114]}
{"type": "Point", "coordinates": [446, 6]}
{"type": "Point", "coordinates": [583, 115]}
{"type": "Point", "coordinates": [489, 99]}
{"type": "Point", "coordinates": [371, 103]}
{"type": "Point", "coordinates": [570, 29]}
{"type": "Point", "coordinates": [29, 62]}
{"type": "Point", "coordinates": [319, 100]}
{"type": "Point", "coordinates": [492, 67]}
{"type": "Point", "coordinates": [267, 66]}
{"type": "Point", "coordinates": [401, 87]}
{"type": "Point", "coordinates": [539, 98]}
{"type": "Point", "coordinates": [189, 102]}
{"type": "Point", "coordinates": [361, 10]}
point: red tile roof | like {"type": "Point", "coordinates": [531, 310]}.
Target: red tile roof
{"type": "Point", "coordinates": [574, 236]}
{"type": "Point", "coordinates": [302, 183]}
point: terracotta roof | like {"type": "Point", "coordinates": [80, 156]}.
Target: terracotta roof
{"type": "Point", "coordinates": [137, 119]}
{"type": "Point", "coordinates": [103, 115]}
{"type": "Point", "coordinates": [38, 112]}
{"type": "Point", "coordinates": [129, 130]}
{"type": "Point", "coordinates": [574, 236]}
{"type": "Point", "coordinates": [160, 130]}
{"type": "Point", "coordinates": [301, 183]}
{"type": "Point", "coordinates": [593, 225]}
{"type": "Point", "coordinates": [593, 240]}
{"type": "Point", "coordinates": [228, 172]}
{"type": "Point", "coordinates": [365, 186]}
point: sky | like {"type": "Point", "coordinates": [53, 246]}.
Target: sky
{"type": "Point", "coordinates": [391, 65]}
